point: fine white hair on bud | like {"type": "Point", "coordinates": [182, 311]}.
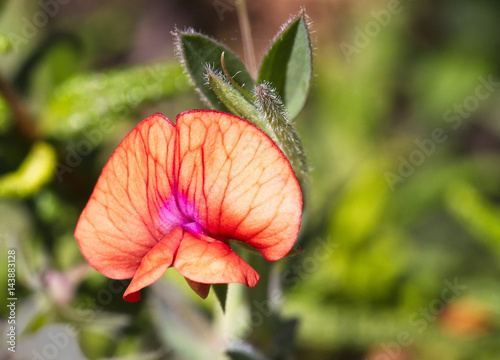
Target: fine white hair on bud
{"type": "Point", "coordinates": [287, 138]}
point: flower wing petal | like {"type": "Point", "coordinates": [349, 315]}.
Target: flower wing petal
{"type": "Point", "coordinates": [132, 204]}
{"type": "Point", "coordinates": [154, 263]}
{"type": "Point", "coordinates": [205, 260]}
{"type": "Point", "coordinates": [236, 183]}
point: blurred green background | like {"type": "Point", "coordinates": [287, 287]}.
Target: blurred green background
{"type": "Point", "coordinates": [400, 234]}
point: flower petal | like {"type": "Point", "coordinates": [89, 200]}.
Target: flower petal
{"type": "Point", "coordinates": [236, 183]}
{"type": "Point", "coordinates": [205, 260]}
{"type": "Point", "coordinates": [201, 289]}
{"type": "Point", "coordinates": [132, 205]}
{"type": "Point", "coordinates": [154, 263]}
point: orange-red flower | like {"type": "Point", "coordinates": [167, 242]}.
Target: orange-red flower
{"type": "Point", "coordinates": [173, 195]}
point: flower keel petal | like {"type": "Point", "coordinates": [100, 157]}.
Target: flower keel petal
{"type": "Point", "coordinates": [205, 260]}
{"type": "Point", "coordinates": [201, 289]}
{"type": "Point", "coordinates": [154, 263]}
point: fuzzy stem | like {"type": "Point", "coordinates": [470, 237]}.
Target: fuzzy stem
{"type": "Point", "coordinates": [246, 35]}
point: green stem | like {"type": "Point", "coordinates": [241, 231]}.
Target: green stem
{"type": "Point", "coordinates": [246, 35]}
{"type": "Point", "coordinates": [23, 121]}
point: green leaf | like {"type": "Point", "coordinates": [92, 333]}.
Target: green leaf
{"type": "Point", "coordinates": [240, 350]}
{"type": "Point", "coordinates": [57, 61]}
{"type": "Point", "coordinates": [5, 119]}
{"type": "Point", "coordinates": [61, 334]}
{"type": "Point", "coordinates": [86, 100]}
{"type": "Point", "coordinates": [220, 291]}
{"type": "Point", "coordinates": [35, 172]}
{"type": "Point", "coordinates": [199, 52]}
{"type": "Point", "coordinates": [5, 44]}
{"type": "Point", "coordinates": [480, 216]}
{"type": "Point", "coordinates": [288, 64]}
{"type": "Point", "coordinates": [181, 326]}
